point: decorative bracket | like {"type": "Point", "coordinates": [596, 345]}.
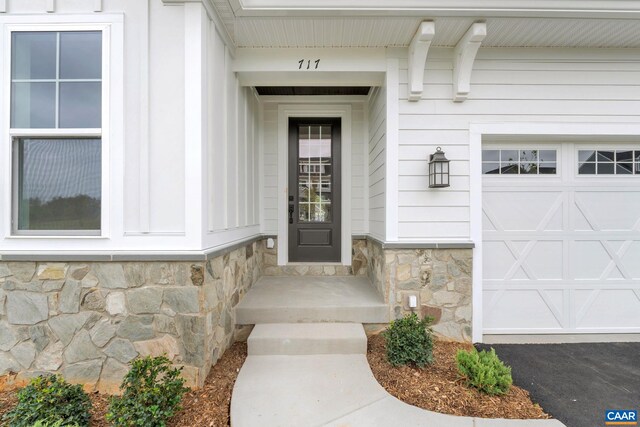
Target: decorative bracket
{"type": "Point", "coordinates": [418, 50]}
{"type": "Point", "coordinates": [51, 6]}
{"type": "Point", "coordinates": [3, 6]}
{"type": "Point", "coordinates": [97, 5]}
{"type": "Point", "coordinates": [464, 56]}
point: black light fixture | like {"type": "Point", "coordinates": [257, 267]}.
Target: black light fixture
{"type": "Point", "coordinates": [438, 169]}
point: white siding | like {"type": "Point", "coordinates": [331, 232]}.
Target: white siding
{"type": "Point", "coordinates": [508, 85]}
{"type": "Point", "coordinates": [377, 162]}
{"type": "Point", "coordinates": [232, 150]}
{"type": "Point", "coordinates": [270, 170]}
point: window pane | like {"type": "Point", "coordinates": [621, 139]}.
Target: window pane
{"type": "Point", "coordinates": [508, 156]}
{"type": "Point", "coordinates": [491, 168]}
{"type": "Point", "coordinates": [81, 55]}
{"type": "Point", "coordinates": [547, 155]}
{"type": "Point", "coordinates": [490, 155]}
{"type": "Point", "coordinates": [605, 156]}
{"type": "Point", "coordinates": [33, 105]}
{"type": "Point", "coordinates": [33, 55]}
{"type": "Point", "coordinates": [510, 168]}
{"type": "Point", "coordinates": [624, 156]}
{"type": "Point", "coordinates": [529, 168]}
{"type": "Point", "coordinates": [529, 155]}
{"type": "Point", "coordinates": [587, 156]}
{"type": "Point", "coordinates": [80, 105]}
{"type": "Point", "coordinates": [548, 168]}
{"type": "Point", "coordinates": [605, 168]}
{"type": "Point", "coordinates": [587, 169]}
{"type": "Point", "coordinates": [59, 184]}
{"type": "Point", "coordinates": [624, 168]}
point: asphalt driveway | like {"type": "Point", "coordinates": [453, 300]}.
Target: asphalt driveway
{"type": "Point", "coordinates": [576, 383]}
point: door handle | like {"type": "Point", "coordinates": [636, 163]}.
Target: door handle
{"type": "Point", "coordinates": [291, 210]}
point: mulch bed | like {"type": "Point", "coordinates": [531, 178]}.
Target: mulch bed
{"type": "Point", "coordinates": [438, 388]}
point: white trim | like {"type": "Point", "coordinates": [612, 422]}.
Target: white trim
{"type": "Point", "coordinates": [519, 130]}
{"type": "Point", "coordinates": [464, 56]}
{"type": "Point", "coordinates": [285, 111]}
{"type": "Point", "coordinates": [144, 177]}
{"type": "Point", "coordinates": [417, 58]}
{"type": "Point", "coordinates": [393, 141]}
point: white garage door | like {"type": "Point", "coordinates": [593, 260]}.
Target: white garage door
{"type": "Point", "coordinates": [561, 238]}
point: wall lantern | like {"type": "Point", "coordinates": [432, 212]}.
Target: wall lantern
{"type": "Point", "coordinates": [438, 169]}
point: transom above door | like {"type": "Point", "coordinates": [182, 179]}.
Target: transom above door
{"type": "Point", "coordinates": [314, 190]}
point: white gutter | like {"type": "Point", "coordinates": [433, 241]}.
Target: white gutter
{"type": "Point", "coordinates": [621, 9]}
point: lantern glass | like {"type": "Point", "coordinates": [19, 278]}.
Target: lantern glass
{"type": "Point", "coordinates": [438, 170]}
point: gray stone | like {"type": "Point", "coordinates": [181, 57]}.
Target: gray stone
{"type": "Point", "coordinates": [144, 300]}
{"type": "Point", "coordinates": [94, 301]}
{"type": "Point", "coordinates": [69, 301]}
{"type": "Point", "coordinates": [8, 364]}
{"type": "Point", "coordinates": [136, 328]}
{"type": "Point", "coordinates": [39, 334]}
{"type": "Point", "coordinates": [134, 274]}
{"type": "Point", "coordinates": [167, 345]}
{"type": "Point", "coordinates": [115, 304]}
{"type": "Point", "coordinates": [13, 284]}
{"type": "Point", "coordinates": [3, 298]}
{"type": "Point", "coordinates": [79, 272]}
{"type": "Point", "coordinates": [446, 298]}
{"type": "Point", "coordinates": [90, 281]}
{"type": "Point", "coordinates": [121, 350]}
{"type": "Point", "coordinates": [65, 326]}
{"type": "Point", "coordinates": [113, 371]}
{"type": "Point", "coordinates": [182, 300]}
{"type": "Point", "coordinates": [24, 353]}
{"type": "Point", "coordinates": [165, 324]}
{"type": "Point", "coordinates": [83, 373]}
{"type": "Point", "coordinates": [191, 330]}
{"type": "Point", "coordinates": [159, 273]}
{"type": "Point", "coordinates": [52, 285]}
{"type": "Point", "coordinates": [81, 348]}
{"type": "Point", "coordinates": [102, 332]}
{"type": "Point", "coordinates": [51, 358]}
{"type": "Point", "coordinates": [8, 337]}
{"type": "Point", "coordinates": [110, 275]}
{"type": "Point", "coordinates": [4, 270]}
{"type": "Point", "coordinates": [27, 308]}
{"type": "Point", "coordinates": [463, 313]}
{"type": "Point", "coordinates": [23, 271]}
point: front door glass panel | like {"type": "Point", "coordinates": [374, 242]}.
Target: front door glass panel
{"type": "Point", "coordinates": [315, 164]}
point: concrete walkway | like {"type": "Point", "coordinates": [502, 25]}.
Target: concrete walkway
{"type": "Point", "coordinates": [318, 375]}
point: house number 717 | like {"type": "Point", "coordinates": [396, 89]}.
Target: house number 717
{"type": "Point", "coordinates": [308, 63]}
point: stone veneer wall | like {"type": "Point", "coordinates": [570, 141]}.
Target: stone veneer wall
{"type": "Point", "coordinates": [359, 262]}
{"type": "Point", "coordinates": [440, 278]}
{"type": "Point", "coordinates": [86, 321]}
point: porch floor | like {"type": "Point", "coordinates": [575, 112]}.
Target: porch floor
{"type": "Point", "coordinates": [296, 299]}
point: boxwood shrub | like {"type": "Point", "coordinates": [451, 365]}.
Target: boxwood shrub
{"type": "Point", "coordinates": [409, 341]}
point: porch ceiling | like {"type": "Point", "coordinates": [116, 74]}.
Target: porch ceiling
{"type": "Point", "coordinates": [396, 31]}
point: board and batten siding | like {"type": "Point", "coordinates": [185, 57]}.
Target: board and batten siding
{"type": "Point", "coordinates": [270, 169]}
{"type": "Point", "coordinates": [232, 150]}
{"type": "Point", "coordinates": [508, 85]}
{"type": "Point", "coordinates": [377, 122]}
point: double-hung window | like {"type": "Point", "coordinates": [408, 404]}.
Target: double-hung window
{"type": "Point", "coordinates": [56, 132]}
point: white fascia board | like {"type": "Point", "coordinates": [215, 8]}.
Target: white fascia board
{"type": "Point", "coordinates": [433, 8]}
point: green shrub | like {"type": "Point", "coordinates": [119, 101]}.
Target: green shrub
{"type": "Point", "coordinates": [152, 391]}
{"type": "Point", "coordinates": [49, 400]}
{"type": "Point", "coordinates": [409, 341]}
{"type": "Point", "coordinates": [58, 423]}
{"type": "Point", "coordinates": [484, 371]}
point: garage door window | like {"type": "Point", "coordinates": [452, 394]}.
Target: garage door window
{"type": "Point", "coordinates": [519, 162]}
{"type": "Point", "coordinates": [608, 162]}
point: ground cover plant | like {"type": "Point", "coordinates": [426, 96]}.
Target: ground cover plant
{"type": "Point", "coordinates": [49, 400]}
{"type": "Point", "coordinates": [484, 371]}
{"type": "Point", "coordinates": [409, 340]}
{"type": "Point", "coordinates": [151, 394]}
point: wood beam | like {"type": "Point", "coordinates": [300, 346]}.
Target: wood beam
{"type": "Point", "coordinates": [418, 50]}
{"type": "Point", "coordinates": [464, 56]}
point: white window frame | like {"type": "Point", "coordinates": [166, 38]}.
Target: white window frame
{"type": "Point", "coordinates": [604, 146]}
{"type": "Point", "coordinates": [103, 133]}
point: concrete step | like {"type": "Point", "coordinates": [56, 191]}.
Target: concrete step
{"type": "Point", "coordinates": [312, 299]}
{"type": "Point", "coordinates": [294, 339]}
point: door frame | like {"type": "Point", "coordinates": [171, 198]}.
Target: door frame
{"type": "Point", "coordinates": [286, 111]}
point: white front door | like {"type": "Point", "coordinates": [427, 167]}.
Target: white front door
{"type": "Point", "coordinates": [561, 238]}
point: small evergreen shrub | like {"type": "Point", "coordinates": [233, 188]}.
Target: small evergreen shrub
{"type": "Point", "coordinates": [50, 400]}
{"type": "Point", "coordinates": [484, 371]}
{"type": "Point", "coordinates": [152, 392]}
{"type": "Point", "coordinates": [58, 423]}
{"type": "Point", "coordinates": [409, 341]}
